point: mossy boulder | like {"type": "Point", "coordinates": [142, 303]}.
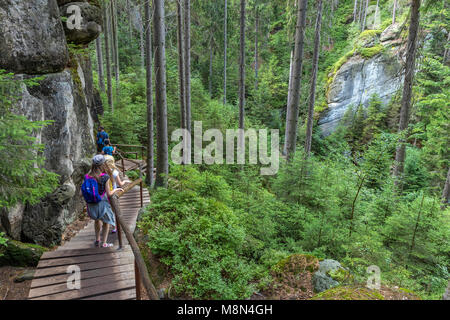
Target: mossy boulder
{"type": "Point", "coordinates": [297, 263]}
{"type": "Point", "coordinates": [21, 254]}
{"type": "Point", "coordinates": [349, 293]}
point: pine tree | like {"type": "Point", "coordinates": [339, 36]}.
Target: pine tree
{"type": "Point", "coordinates": [149, 92]}
{"type": "Point", "coordinates": [162, 157]}
{"type": "Point", "coordinates": [293, 106]}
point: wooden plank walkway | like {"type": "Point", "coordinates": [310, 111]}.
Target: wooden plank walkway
{"type": "Point", "coordinates": [106, 273]}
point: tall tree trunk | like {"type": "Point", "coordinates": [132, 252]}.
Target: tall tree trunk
{"type": "Point", "coordinates": [141, 38]}
{"type": "Point", "coordinates": [187, 61]}
{"type": "Point", "coordinates": [446, 192]}
{"type": "Point", "coordinates": [210, 65]}
{"type": "Point", "coordinates": [149, 92]}
{"type": "Point", "coordinates": [130, 27]}
{"type": "Point", "coordinates": [107, 55]}
{"type": "Point", "coordinates": [312, 94]}
{"type": "Point", "coordinates": [242, 67]}
{"type": "Point", "coordinates": [407, 88]}
{"type": "Point", "coordinates": [360, 11]}
{"type": "Point", "coordinates": [376, 14]}
{"type": "Point", "coordinates": [293, 106]}
{"type": "Point", "coordinates": [225, 53]}
{"type": "Point", "coordinates": [394, 11]}
{"type": "Point", "coordinates": [180, 36]}
{"type": "Point", "coordinates": [363, 25]}
{"type": "Point", "coordinates": [116, 46]}
{"type": "Point", "coordinates": [101, 80]}
{"type": "Point", "coordinates": [162, 165]}
{"type": "Point", "coordinates": [355, 7]}
{"type": "Point", "coordinates": [291, 70]}
{"type": "Point", "coordinates": [256, 47]}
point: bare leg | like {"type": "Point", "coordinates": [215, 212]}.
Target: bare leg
{"type": "Point", "coordinates": [97, 225]}
{"type": "Point", "coordinates": [105, 231]}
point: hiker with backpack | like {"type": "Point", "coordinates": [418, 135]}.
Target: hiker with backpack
{"type": "Point", "coordinates": [96, 190]}
{"type": "Point", "coordinates": [101, 137]}
{"type": "Point", "coordinates": [108, 149]}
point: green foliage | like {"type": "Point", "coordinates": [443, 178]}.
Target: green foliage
{"type": "Point", "coordinates": [22, 176]}
{"type": "Point", "coordinates": [3, 243]}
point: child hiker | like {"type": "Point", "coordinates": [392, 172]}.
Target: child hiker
{"type": "Point", "coordinates": [96, 190]}
{"type": "Point", "coordinates": [115, 182]}
{"type": "Point", "coordinates": [108, 149]}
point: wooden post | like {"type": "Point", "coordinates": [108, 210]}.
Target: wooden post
{"type": "Point", "coordinates": [137, 278]}
{"type": "Point", "coordinates": [123, 166]}
{"type": "Point", "coordinates": [140, 263]}
{"type": "Point", "coordinates": [119, 229]}
{"type": "Point", "coordinates": [140, 185]}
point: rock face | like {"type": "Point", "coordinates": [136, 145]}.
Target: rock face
{"type": "Point", "coordinates": [67, 97]}
{"type": "Point", "coordinates": [322, 280]}
{"type": "Point", "coordinates": [32, 38]}
{"type": "Point", "coordinates": [358, 79]}
{"type": "Point", "coordinates": [90, 26]}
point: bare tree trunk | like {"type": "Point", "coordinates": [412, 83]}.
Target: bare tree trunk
{"type": "Point", "coordinates": [291, 69]}
{"type": "Point", "coordinates": [256, 48]}
{"type": "Point", "coordinates": [101, 80]}
{"type": "Point", "coordinates": [187, 61]}
{"type": "Point", "coordinates": [210, 65]}
{"type": "Point", "coordinates": [355, 7]}
{"type": "Point", "coordinates": [394, 11]}
{"type": "Point", "coordinates": [130, 28]}
{"type": "Point", "coordinates": [225, 54]}
{"type": "Point", "coordinates": [181, 64]}
{"type": "Point", "coordinates": [116, 46]}
{"type": "Point", "coordinates": [407, 88]}
{"type": "Point", "coordinates": [446, 192]}
{"type": "Point", "coordinates": [162, 165]}
{"type": "Point", "coordinates": [142, 42]}
{"type": "Point", "coordinates": [376, 13]}
{"type": "Point", "coordinates": [149, 92]}
{"type": "Point", "coordinates": [107, 56]}
{"type": "Point", "coordinates": [293, 106]}
{"type": "Point", "coordinates": [360, 11]}
{"type": "Point", "coordinates": [312, 94]}
{"type": "Point", "coordinates": [363, 25]}
{"type": "Point", "coordinates": [242, 67]}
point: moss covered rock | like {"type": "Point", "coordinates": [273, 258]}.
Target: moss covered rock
{"type": "Point", "coordinates": [349, 293]}
{"type": "Point", "coordinates": [21, 254]}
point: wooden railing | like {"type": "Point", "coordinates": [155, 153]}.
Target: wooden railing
{"type": "Point", "coordinates": [121, 147]}
{"type": "Point", "coordinates": [140, 268]}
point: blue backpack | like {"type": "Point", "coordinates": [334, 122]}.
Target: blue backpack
{"type": "Point", "coordinates": [90, 188]}
{"type": "Point", "coordinates": [101, 137]}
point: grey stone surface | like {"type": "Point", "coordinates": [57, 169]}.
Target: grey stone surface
{"type": "Point", "coordinates": [321, 280]}
{"type": "Point", "coordinates": [32, 37]}
{"type": "Point", "coordinates": [11, 221]}
{"type": "Point", "coordinates": [91, 23]}
{"type": "Point", "coordinates": [25, 275]}
{"type": "Point", "coordinates": [356, 82]}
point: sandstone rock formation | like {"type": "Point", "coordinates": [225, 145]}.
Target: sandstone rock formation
{"type": "Point", "coordinates": [359, 78]}
{"type": "Point", "coordinates": [32, 42]}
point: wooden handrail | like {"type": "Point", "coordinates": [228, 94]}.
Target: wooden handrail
{"type": "Point", "coordinates": [140, 266]}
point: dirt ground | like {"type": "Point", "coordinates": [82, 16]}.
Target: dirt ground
{"type": "Point", "coordinates": [10, 290]}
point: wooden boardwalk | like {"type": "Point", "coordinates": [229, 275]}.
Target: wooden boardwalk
{"type": "Point", "coordinates": [105, 273]}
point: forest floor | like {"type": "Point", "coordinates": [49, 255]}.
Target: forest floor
{"type": "Point", "coordinates": [11, 290]}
